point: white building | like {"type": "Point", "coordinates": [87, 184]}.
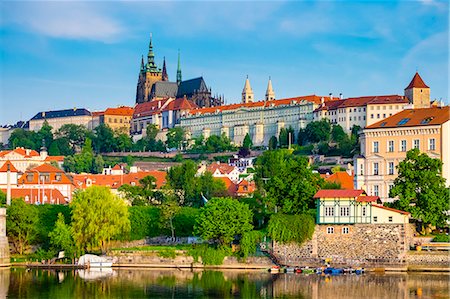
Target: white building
{"type": "Point", "coordinates": [56, 119]}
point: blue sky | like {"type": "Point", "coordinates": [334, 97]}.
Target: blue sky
{"type": "Point", "coordinates": [60, 55]}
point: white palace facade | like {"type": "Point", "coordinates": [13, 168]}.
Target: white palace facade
{"type": "Point", "coordinates": [261, 119]}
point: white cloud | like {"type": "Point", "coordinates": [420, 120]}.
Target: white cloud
{"type": "Point", "coordinates": [71, 20]}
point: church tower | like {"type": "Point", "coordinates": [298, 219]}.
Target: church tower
{"type": "Point", "coordinates": [270, 94]}
{"type": "Point", "coordinates": [148, 75]}
{"type": "Point", "coordinates": [418, 93]}
{"type": "Point", "coordinates": [247, 93]}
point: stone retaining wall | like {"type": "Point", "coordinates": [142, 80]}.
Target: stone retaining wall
{"type": "Point", "coordinates": [363, 244]}
{"type": "Point", "coordinates": [432, 258]}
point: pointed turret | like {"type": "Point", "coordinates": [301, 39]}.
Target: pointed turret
{"type": "Point", "coordinates": [179, 69]}
{"type": "Point", "coordinates": [270, 94]}
{"type": "Point", "coordinates": [165, 76]}
{"type": "Point", "coordinates": [151, 66]}
{"type": "Point", "coordinates": [247, 93]}
{"type": "Point", "coordinates": [418, 93]}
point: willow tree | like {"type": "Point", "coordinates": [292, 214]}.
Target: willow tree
{"type": "Point", "coordinates": [98, 216]}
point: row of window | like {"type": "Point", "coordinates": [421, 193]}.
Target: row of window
{"type": "Point", "coordinates": [402, 145]}
{"type": "Point", "coordinates": [110, 120]}
{"type": "Point", "coordinates": [376, 189]}
{"type": "Point", "coordinates": [345, 230]}
{"type": "Point", "coordinates": [384, 107]}
{"type": "Point", "coordinates": [376, 169]}
{"type": "Point", "coordinates": [343, 211]}
{"type": "Point", "coordinates": [372, 116]}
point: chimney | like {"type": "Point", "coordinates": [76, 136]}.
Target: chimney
{"type": "Point", "coordinates": [341, 96]}
{"type": "Point", "coordinates": [331, 95]}
{"type": "Point", "coordinates": [159, 104]}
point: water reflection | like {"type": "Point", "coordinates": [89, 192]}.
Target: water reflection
{"type": "Point", "coordinates": [146, 283]}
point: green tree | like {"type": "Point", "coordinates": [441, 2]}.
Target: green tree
{"type": "Point", "coordinates": [21, 224]}
{"type": "Point", "coordinates": [74, 135]}
{"type": "Point", "coordinates": [23, 138]}
{"type": "Point", "coordinates": [273, 143]}
{"type": "Point", "coordinates": [337, 133]}
{"type": "Point", "coordinates": [301, 137]}
{"type": "Point", "coordinates": [45, 135]}
{"type": "Point", "coordinates": [287, 180]}
{"type": "Point", "coordinates": [291, 228]}
{"type": "Point", "coordinates": [169, 211]}
{"type": "Point", "coordinates": [61, 237]}
{"type": "Point", "coordinates": [283, 138]}
{"type": "Point", "coordinates": [98, 217]}
{"type": "Point", "coordinates": [104, 141]}
{"type": "Point", "coordinates": [210, 186]}
{"type": "Point", "coordinates": [182, 179]}
{"type": "Point", "coordinates": [222, 219]}
{"type": "Point", "coordinates": [421, 188]}
{"type": "Point", "coordinates": [152, 131]}
{"type": "Point", "coordinates": [247, 143]}
{"type": "Point", "coordinates": [318, 131]}
{"type": "Point", "coordinates": [175, 137]}
{"type": "Point", "coordinates": [123, 142]}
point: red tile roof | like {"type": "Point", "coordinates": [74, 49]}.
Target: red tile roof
{"type": "Point", "coordinates": [229, 185]}
{"type": "Point", "coordinates": [391, 209]}
{"type": "Point", "coordinates": [35, 195]}
{"type": "Point", "coordinates": [245, 187]}
{"type": "Point", "coordinates": [117, 167]}
{"type": "Point", "coordinates": [122, 110]}
{"type": "Point", "coordinates": [363, 101]}
{"type": "Point", "coordinates": [4, 168]}
{"type": "Point", "coordinates": [222, 167]}
{"type": "Point", "coordinates": [330, 193]}
{"type": "Point", "coordinates": [416, 82]}
{"type": "Point", "coordinates": [342, 178]}
{"type": "Point", "coordinates": [98, 113]}
{"type": "Point", "coordinates": [54, 158]}
{"type": "Point", "coordinates": [180, 104]}
{"type": "Point", "coordinates": [115, 181]}
{"type": "Point", "coordinates": [367, 198]}
{"type": "Point", "coordinates": [148, 108]}
{"type": "Point", "coordinates": [415, 117]}
{"type": "Point", "coordinates": [310, 98]}
{"type": "Point", "coordinates": [47, 169]}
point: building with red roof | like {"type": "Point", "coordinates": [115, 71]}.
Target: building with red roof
{"type": "Point", "coordinates": [384, 145]}
{"type": "Point", "coordinates": [23, 158]}
{"type": "Point", "coordinates": [354, 207]}
{"type": "Point", "coordinates": [118, 118]}
{"type": "Point", "coordinates": [342, 178]}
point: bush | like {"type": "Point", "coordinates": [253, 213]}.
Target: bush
{"type": "Point", "coordinates": [144, 222]}
{"type": "Point", "coordinates": [209, 255]}
{"type": "Point", "coordinates": [291, 228]}
{"type": "Point", "coordinates": [47, 215]}
{"type": "Point", "coordinates": [167, 253]}
{"type": "Point", "coordinates": [185, 220]}
{"type": "Point", "coordinates": [248, 243]}
{"type": "Point", "coordinates": [441, 238]}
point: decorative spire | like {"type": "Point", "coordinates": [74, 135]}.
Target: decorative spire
{"type": "Point", "coordinates": [151, 66]}
{"type": "Point", "coordinates": [270, 94]}
{"type": "Point", "coordinates": [247, 93]}
{"type": "Point", "coordinates": [165, 76]}
{"type": "Point", "coordinates": [179, 69]}
{"type": "Point", "coordinates": [142, 64]}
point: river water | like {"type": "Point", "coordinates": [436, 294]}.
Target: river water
{"type": "Point", "coordinates": [153, 283]}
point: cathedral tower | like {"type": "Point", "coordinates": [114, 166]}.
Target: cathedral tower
{"type": "Point", "coordinates": [165, 76]}
{"type": "Point", "coordinates": [270, 94]}
{"type": "Point", "coordinates": [247, 93]}
{"type": "Point", "coordinates": [418, 93]}
{"type": "Point", "coordinates": [179, 70]}
{"type": "Point", "coordinates": [148, 75]}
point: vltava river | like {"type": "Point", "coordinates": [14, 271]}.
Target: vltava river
{"type": "Point", "coordinates": [151, 283]}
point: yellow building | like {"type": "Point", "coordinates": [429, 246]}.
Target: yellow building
{"type": "Point", "coordinates": [354, 207]}
{"type": "Point", "coordinates": [119, 118]}
{"type": "Point", "coordinates": [385, 143]}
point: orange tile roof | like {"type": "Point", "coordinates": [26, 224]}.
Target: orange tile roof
{"type": "Point", "coordinates": [117, 167]}
{"type": "Point", "coordinates": [222, 167]}
{"type": "Point", "coordinates": [330, 193]}
{"type": "Point", "coordinates": [416, 82]}
{"type": "Point", "coordinates": [98, 113]}
{"type": "Point", "coordinates": [122, 110]}
{"type": "Point", "coordinates": [148, 108]}
{"type": "Point", "coordinates": [115, 181]}
{"type": "Point", "coordinates": [229, 185]}
{"type": "Point", "coordinates": [4, 168]}
{"type": "Point", "coordinates": [20, 151]}
{"type": "Point", "coordinates": [47, 169]}
{"type": "Point", "coordinates": [415, 117]}
{"type": "Point", "coordinates": [341, 177]}
{"type": "Point", "coordinates": [54, 158]}
{"type": "Point", "coordinates": [391, 209]}
{"type": "Point", "coordinates": [35, 195]}
{"type": "Point", "coordinates": [245, 187]}
{"type": "Point", "coordinates": [310, 98]}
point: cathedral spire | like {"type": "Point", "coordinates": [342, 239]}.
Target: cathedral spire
{"type": "Point", "coordinates": [165, 76]}
{"type": "Point", "coordinates": [151, 66]}
{"type": "Point", "coordinates": [247, 92]}
{"type": "Point", "coordinates": [270, 94]}
{"type": "Point", "coordinates": [179, 69]}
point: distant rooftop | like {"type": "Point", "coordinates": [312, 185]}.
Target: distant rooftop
{"type": "Point", "coordinates": [61, 113]}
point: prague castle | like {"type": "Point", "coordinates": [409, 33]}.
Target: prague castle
{"type": "Point", "coordinates": [153, 84]}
